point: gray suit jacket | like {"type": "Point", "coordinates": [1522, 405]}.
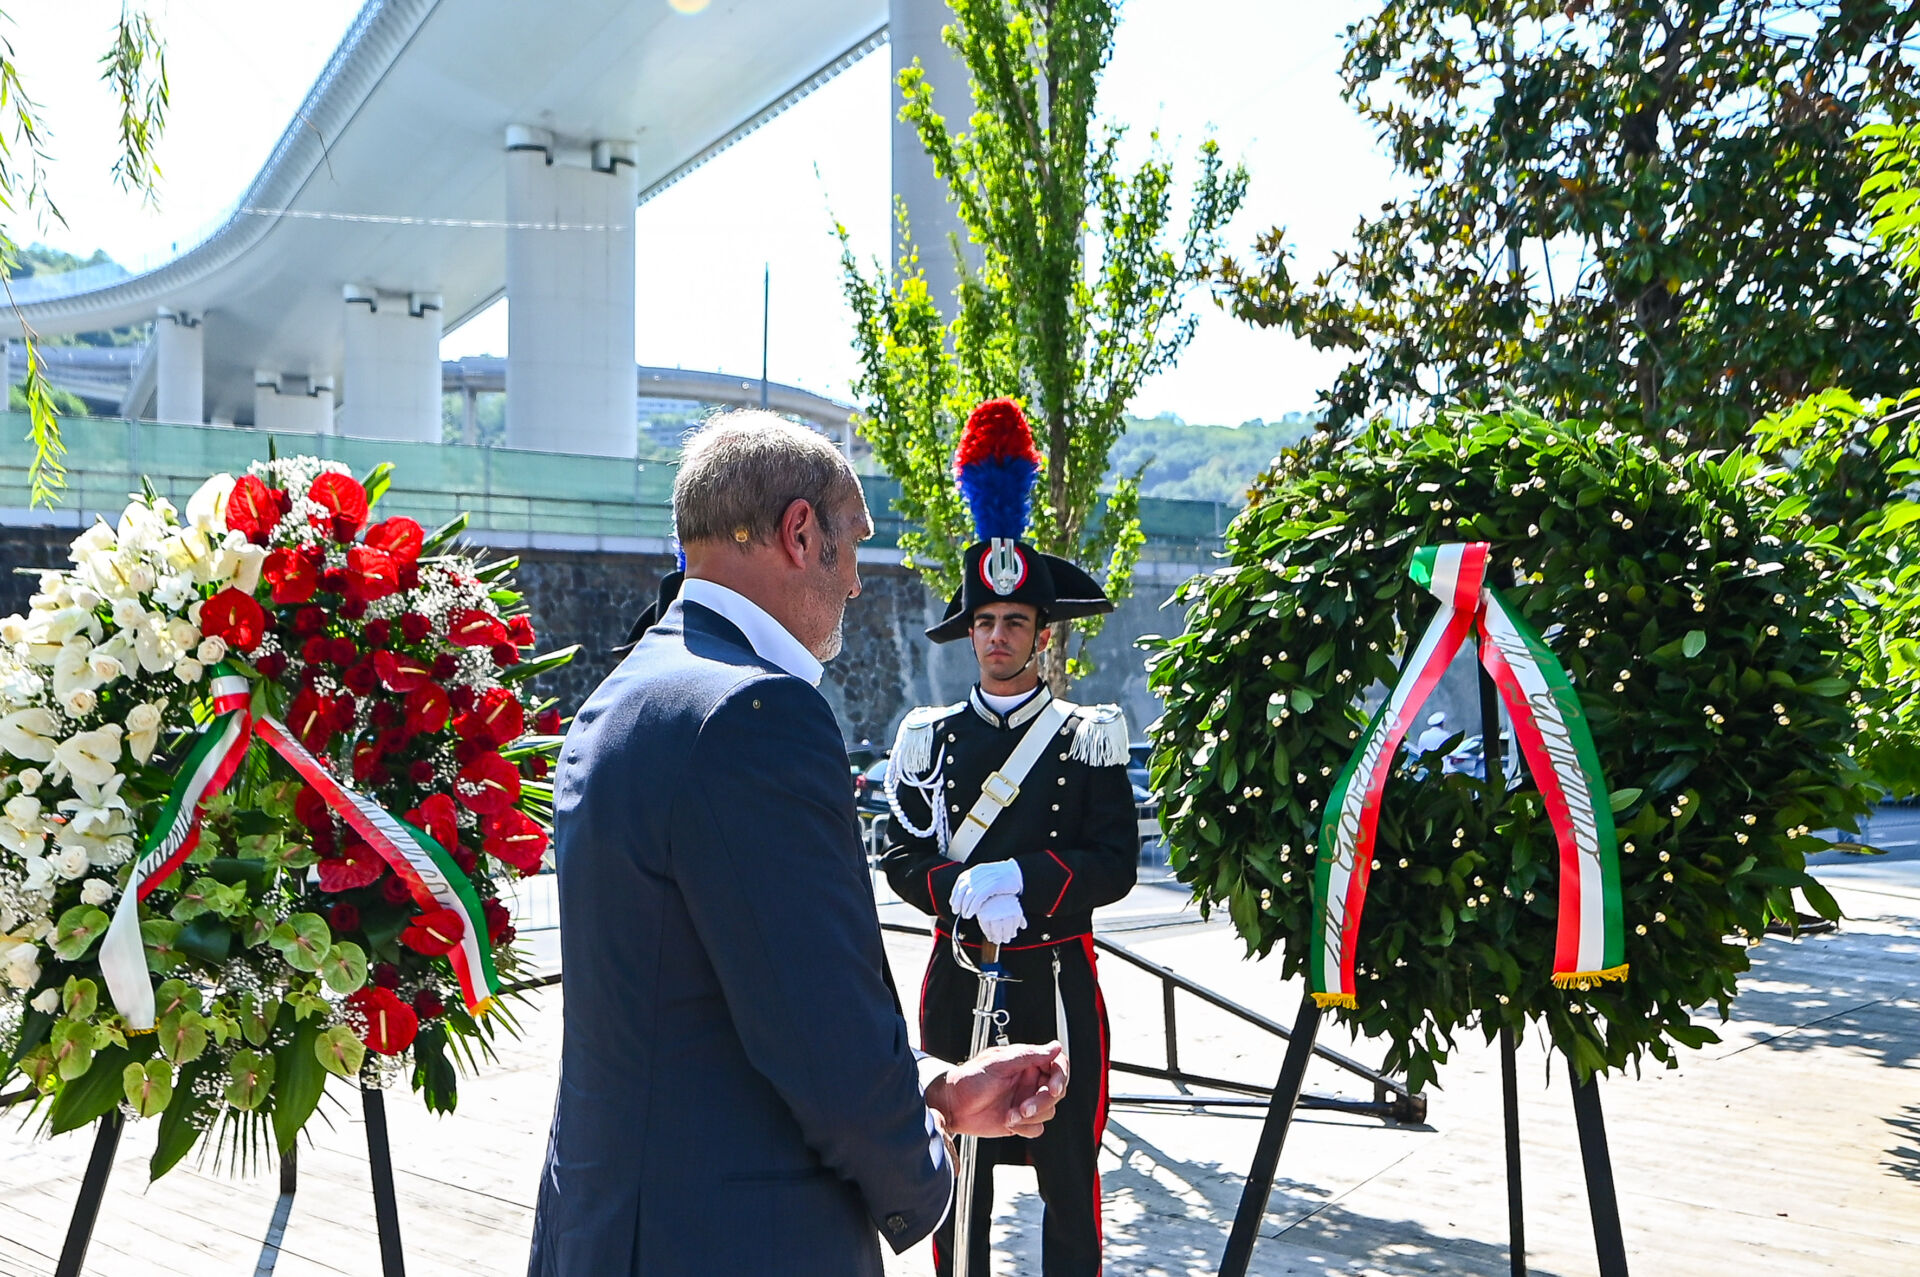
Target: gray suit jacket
{"type": "Point", "coordinates": [737, 1091]}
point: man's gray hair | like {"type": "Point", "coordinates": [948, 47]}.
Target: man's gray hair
{"type": "Point", "coordinates": [740, 472]}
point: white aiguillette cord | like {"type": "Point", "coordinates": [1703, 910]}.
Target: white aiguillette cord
{"type": "Point", "coordinates": [999, 790]}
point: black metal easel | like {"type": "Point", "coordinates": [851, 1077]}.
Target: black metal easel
{"type": "Point", "coordinates": [386, 1210]}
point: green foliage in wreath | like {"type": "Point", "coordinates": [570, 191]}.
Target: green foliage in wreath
{"type": "Point", "coordinates": [1700, 629]}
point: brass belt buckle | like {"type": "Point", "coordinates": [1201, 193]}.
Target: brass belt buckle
{"type": "Point", "coordinates": [1005, 794]}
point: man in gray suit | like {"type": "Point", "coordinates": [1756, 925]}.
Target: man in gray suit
{"type": "Point", "coordinates": [737, 1093]}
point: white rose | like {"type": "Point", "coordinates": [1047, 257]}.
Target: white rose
{"type": "Point", "coordinates": [213, 649]}
{"type": "Point", "coordinates": [96, 891]}
{"type": "Point", "coordinates": [79, 702]}
{"type": "Point", "coordinates": [13, 629]}
{"type": "Point", "coordinates": [46, 1002]}
{"type": "Point", "coordinates": [90, 756]}
{"type": "Point", "coordinates": [105, 665]}
{"type": "Point", "coordinates": [183, 634]}
{"type": "Point", "coordinates": [127, 613]}
{"type": "Point", "coordinates": [143, 729]}
{"type": "Point", "coordinates": [188, 670]}
{"type": "Point", "coordinates": [246, 572]}
{"type": "Point", "coordinates": [70, 861]}
{"type": "Point", "coordinates": [140, 578]}
{"type": "Point", "coordinates": [30, 734]}
{"type": "Point", "coordinates": [207, 507]}
{"type": "Point", "coordinates": [23, 966]}
{"type": "Point", "coordinates": [30, 780]}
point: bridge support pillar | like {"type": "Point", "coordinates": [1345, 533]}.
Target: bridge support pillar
{"type": "Point", "coordinates": [570, 288]}
{"type": "Point", "coordinates": [914, 32]}
{"type": "Point", "coordinates": [180, 372]}
{"type": "Point", "coordinates": [391, 377]}
{"type": "Point", "coordinates": [292, 404]}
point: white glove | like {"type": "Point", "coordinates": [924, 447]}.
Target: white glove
{"type": "Point", "coordinates": [981, 883]}
{"type": "Point", "coordinates": [1000, 919]}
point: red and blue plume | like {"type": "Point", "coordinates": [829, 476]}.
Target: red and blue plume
{"type": "Point", "coordinates": [997, 465]}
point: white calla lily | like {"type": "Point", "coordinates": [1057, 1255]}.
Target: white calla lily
{"type": "Point", "coordinates": [32, 734]}
{"type": "Point", "coordinates": [207, 507]}
{"type": "Point", "coordinates": [90, 756]}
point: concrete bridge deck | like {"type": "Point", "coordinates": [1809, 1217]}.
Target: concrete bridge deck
{"type": "Point", "coordinates": [1791, 1148]}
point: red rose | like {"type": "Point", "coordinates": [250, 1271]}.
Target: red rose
{"type": "Point", "coordinates": [427, 708]}
{"type": "Point", "coordinates": [310, 809]}
{"type": "Point", "coordinates": [385, 714]}
{"type": "Point", "coordinates": [360, 679]}
{"type": "Point", "coordinates": [309, 620]}
{"type": "Point", "coordinates": [393, 740]}
{"type": "Point", "coordinates": [538, 766]}
{"type": "Point", "coordinates": [461, 696]}
{"type": "Point", "coordinates": [520, 630]}
{"type": "Point", "coordinates": [388, 1025]}
{"type": "Point", "coordinates": [385, 976]}
{"type": "Point", "coordinates": [272, 665]}
{"type": "Point", "coordinates": [335, 580]}
{"type": "Point", "coordinates": [291, 574]}
{"type": "Point", "coordinates": [435, 817]}
{"type": "Point", "coordinates": [488, 784]}
{"type": "Point", "coordinates": [342, 652]}
{"type": "Point", "coordinates": [323, 841]}
{"type": "Point", "coordinates": [548, 724]}
{"type": "Point", "coordinates": [345, 499]}
{"type": "Point", "coordinates": [235, 617]}
{"type": "Point", "coordinates": [474, 628]}
{"type": "Point", "coordinates": [414, 627]}
{"type": "Point", "coordinates": [465, 751]}
{"type": "Point", "coordinates": [374, 571]}
{"type": "Point", "coordinates": [344, 707]}
{"type": "Point", "coordinates": [499, 921]}
{"type": "Point", "coordinates": [420, 772]}
{"type": "Point", "coordinates": [253, 508]}
{"type": "Point", "coordinates": [513, 837]}
{"type": "Point", "coordinates": [311, 718]}
{"type": "Point", "coordinates": [427, 1005]}
{"type": "Point", "coordinates": [434, 932]}
{"type": "Point", "coordinates": [394, 891]}
{"type": "Point", "coordinates": [316, 650]}
{"type": "Point", "coordinates": [353, 609]}
{"type": "Point", "coordinates": [343, 918]}
{"type": "Point", "coordinates": [400, 672]}
{"type": "Point", "coordinates": [355, 865]}
{"type": "Point", "coordinates": [464, 857]}
{"type": "Point", "coordinates": [399, 537]}
{"type": "Point", "coordinates": [379, 632]}
{"type": "Point", "coordinates": [505, 654]}
{"type": "Point", "coordinates": [445, 666]}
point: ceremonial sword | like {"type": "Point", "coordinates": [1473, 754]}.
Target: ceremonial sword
{"type": "Point", "coordinates": [989, 1022]}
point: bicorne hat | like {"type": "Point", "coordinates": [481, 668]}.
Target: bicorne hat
{"type": "Point", "coordinates": [651, 614]}
{"type": "Point", "coordinates": [997, 465]}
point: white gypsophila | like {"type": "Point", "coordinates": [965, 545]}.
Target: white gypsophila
{"type": "Point", "coordinates": [116, 851]}
{"type": "Point", "coordinates": [19, 685]}
{"type": "Point", "coordinates": [96, 891]}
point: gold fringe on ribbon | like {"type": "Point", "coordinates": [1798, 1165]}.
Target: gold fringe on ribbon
{"type": "Point", "coordinates": [132, 1032]}
{"type": "Point", "coordinates": [1325, 1000]}
{"type": "Point", "coordinates": [1585, 979]}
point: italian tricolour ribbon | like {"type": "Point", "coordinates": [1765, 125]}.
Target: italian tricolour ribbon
{"type": "Point", "coordinates": [416, 859]}
{"type": "Point", "coordinates": [1554, 738]}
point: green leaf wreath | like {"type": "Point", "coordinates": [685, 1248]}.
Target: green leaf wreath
{"type": "Point", "coordinates": [1697, 619]}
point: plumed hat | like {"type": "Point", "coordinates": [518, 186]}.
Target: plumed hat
{"type": "Point", "coordinates": [997, 465]}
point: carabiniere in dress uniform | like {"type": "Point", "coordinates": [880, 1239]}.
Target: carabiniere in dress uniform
{"type": "Point", "coordinates": [1013, 819]}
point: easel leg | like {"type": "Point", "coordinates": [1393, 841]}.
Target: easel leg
{"type": "Point", "coordinates": [386, 1209]}
{"type": "Point", "coordinates": [282, 1211]}
{"type": "Point", "coordinates": [1607, 1241]}
{"type": "Point", "coordinates": [93, 1187]}
{"type": "Point", "coordinates": [1266, 1157]}
{"type": "Point", "coordinates": [1516, 1207]}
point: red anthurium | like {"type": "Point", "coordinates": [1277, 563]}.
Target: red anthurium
{"type": "Point", "coordinates": [310, 809]}
{"type": "Point", "coordinates": [496, 720]}
{"type": "Point", "coordinates": [427, 708]}
{"type": "Point", "coordinates": [400, 672]}
{"type": "Point", "coordinates": [234, 616]}
{"type": "Point", "coordinates": [514, 837]}
{"type": "Point", "coordinates": [475, 628]}
{"type": "Point", "coordinates": [436, 818]}
{"type": "Point", "coordinates": [345, 499]}
{"type": "Point", "coordinates": [375, 574]}
{"type": "Point", "coordinates": [520, 630]}
{"type": "Point", "coordinates": [434, 932]}
{"type": "Point", "coordinates": [390, 1025]}
{"type": "Point", "coordinates": [366, 760]}
{"type": "Point", "coordinates": [548, 723]}
{"type": "Point", "coordinates": [291, 574]}
{"type": "Point", "coordinates": [505, 654]}
{"type": "Point", "coordinates": [399, 537]}
{"type": "Point", "coordinates": [253, 508]}
{"type": "Point", "coordinates": [488, 784]}
{"type": "Point", "coordinates": [311, 718]}
{"type": "Point", "coordinates": [356, 866]}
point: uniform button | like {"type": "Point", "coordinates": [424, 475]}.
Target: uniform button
{"type": "Point", "coordinates": [1046, 935]}
{"type": "Point", "coordinates": [953, 807]}
{"type": "Point", "coordinates": [756, 704]}
{"type": "Point", "coordinates": [896, 1223]}
{"type": "Point", "coordinates": [1056, 806]}
{"type": "Point", "coordinates": [950, 738]}
{"type": "Point", "coordinates": [1063, 758]}
{"type": "Point", "coordinates": [1061, 781]}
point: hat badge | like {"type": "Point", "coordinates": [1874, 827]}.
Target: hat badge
{"type": "Point", "coordinates": [1003, 567]}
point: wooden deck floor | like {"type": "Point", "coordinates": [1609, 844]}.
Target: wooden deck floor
{"type": "Point", "coordinates": [1793, 1147]}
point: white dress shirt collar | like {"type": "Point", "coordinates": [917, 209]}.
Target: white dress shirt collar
{"type": "Point", "coordinates": [770, 640]}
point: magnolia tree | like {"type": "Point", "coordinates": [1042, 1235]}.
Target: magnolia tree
{"type": "Point", "coordinates": [1071, 291]}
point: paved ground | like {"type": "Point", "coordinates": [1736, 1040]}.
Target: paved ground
{"type": "Point", "coordinates": [1792, 1147]}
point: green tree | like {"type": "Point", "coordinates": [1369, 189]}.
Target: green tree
{"type": "Point", "coordinates": [134, 67]}
{"type": "Point", "coordinates": [1071, 293]}
{"type": "Point", "coordinates": [1642, 211]}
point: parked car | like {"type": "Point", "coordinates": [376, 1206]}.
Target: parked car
{"type": "Point", "coordinates": [870, 789]}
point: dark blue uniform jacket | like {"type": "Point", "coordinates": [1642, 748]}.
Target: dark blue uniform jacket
{"type": "Point", "coordinates": [737, 1091]}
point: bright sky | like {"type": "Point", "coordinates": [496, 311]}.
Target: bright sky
{"type": "Point", "coordinates": [1259, 76]}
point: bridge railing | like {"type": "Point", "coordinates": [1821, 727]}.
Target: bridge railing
{"type": "Point", "coordinates": [503, 490]}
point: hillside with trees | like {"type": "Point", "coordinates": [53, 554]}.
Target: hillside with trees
{"type": "Point", "coordinates": [1203, 463]}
